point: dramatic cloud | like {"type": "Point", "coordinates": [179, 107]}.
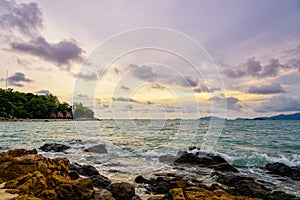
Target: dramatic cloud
{"type": "Point", "coordinates": [230, 102]}
{"type": "Point", "coordinates": [279, 104]}
{"type": "Point", "coordinates": [61, 53]}
{"type": "Point", "coordinates": [150, 74]}
{"type": "Point", "coordinates": [18, 79]}
{"type": "Point", "coordinates": [294, 64]}
{"type": "Point", "coordinates": [26, 18]}
{"type": "Point", "coordinates": [145, 73]}
{"type": "Point", "coordinates": [293, 51]}
{"type": "Point", "coordinates": [254, 68]}
{"type": "Point", "coordinates": [201, 88]}
{"type": "Point", "coordinates": [43, 92]}
{"type": "Point", "coordinates": [273, 88]}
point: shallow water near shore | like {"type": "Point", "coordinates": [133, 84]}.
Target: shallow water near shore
{"type": "Point", "coordinates": [135, 149]}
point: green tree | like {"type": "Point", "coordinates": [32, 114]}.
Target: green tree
{"type": "Point", "coordinates": [81, 111]}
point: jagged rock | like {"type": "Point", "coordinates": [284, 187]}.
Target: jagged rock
{"type": "Point", "coordinates": [84, 170]}
{"type": "Point", "coordinates": [32, 184]}
{"type": "Point", "coordinates": [205, 160]}
{"type": "Point", "coordinates": [33, 176]}
{"type": "Point", "coordinates": [74, 174]}
{"type": "Point", "coordinates": [141, 179]}
{"type": "Point", "coordinates": [102, 195]}
{"type": "Point", "coordinates": [247, 186]}
{"type": "Point", "coordinates": [78, 189]}
{"type": "Point", "coordinates": [284, 170]}
{"type": "Point", "coordinates": [156, 198]}
{"type": "Point", "coordinates": [100, 181]}
{"type": "Point", "coordinates": [122, 191]}
{"type": "Point", "coordinates": [54, 147]}
{"type": "Point", "coordinates": [99, 148]}
{"type": "Point", "coordinates": [177, 194]}
{"type": "Point", "coordinates": [162, 185]}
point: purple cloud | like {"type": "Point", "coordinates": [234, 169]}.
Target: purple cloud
{"type": "Point", "coordinates": [231, 103]}
{"type": "Point", "coordinates": [279, 104]}
{"type": "Point", "coordinates": [254, 68]}
{"type": "Point", "coordinates": [61, 53]}
{"type": "Point", "coordinates": [17, 79]}
{"type": "Point", "coordinates": [24, 17]}
{"type": "Point", "coordinates": [273, 88]}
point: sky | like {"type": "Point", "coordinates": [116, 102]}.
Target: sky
{"type": "Point", "coordinates": [156, 59]}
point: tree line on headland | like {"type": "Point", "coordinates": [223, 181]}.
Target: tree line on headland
{"type": "Point", "coordinates": [15, 104]}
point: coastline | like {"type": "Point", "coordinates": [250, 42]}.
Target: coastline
{"type": "Point", "coordinates": [48, 120]}
{"type": "Point", "coordinates": [33, 176]}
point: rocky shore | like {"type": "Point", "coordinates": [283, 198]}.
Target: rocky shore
{"type": "Point", "coordinates": [29, 175]}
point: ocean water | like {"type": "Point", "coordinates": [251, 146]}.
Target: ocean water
{"type": "Point", "coordinates": [134, 147]}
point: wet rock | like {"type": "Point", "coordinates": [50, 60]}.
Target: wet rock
{"type": "Point", "coordinates": [247, 186]}
{"type": "Point", "coordinates": [102, 195]}
{"type": "Point", "coordinates": [78, 189]}
{"type": "Point", "coordinates": [100, 181]}
{"type": "Point", "coordinates": [284, 170]}
{"type": "Point", "coordinates": [162, 185]}
{"type": "Point", "coordinates": [100, 148]}
{"type": "Point", "coordinates": [54, 147]}
{"type": "Point", "coordinates": [205, 160]}
{"type": "Point", "coordinates": [122, 191]}
{"type": "Point", "coordinates": [177, 194]}
{"type": "Point", "coordinates": [74, 174]}
{"type": "Point", "coordinates": [141, 179]}
{"type": "Point", "coordinates": [135, 198]}
{"type": "Point", "coordinates": [35, 182]}
{"type": "Point", "coordinates": [212, 195]}
{"type": "Point", "coordinates": [33, 176]}
{"type": "Point", "coordinates": [84, 170]}
{"type": "Point", "coordinates": [156, 198]}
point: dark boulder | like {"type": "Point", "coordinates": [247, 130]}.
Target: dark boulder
{"type": "Point", "coordinates": [205, 160]}
{"type": "Point", "coordinates": [122, 191]}
{"type": "Point", "coordinates": [156, 198]}
{"type": "Point", "coordinates": [54, 147]}
{"type": "Point", "coordinates": [73, 174]}
{"type": "Point", "coordinates": [100, 181]}
{"type": "Point", "coordinates": [163, 184]}
{"type": "Point", "coordinates": [247, 186]}
{"type": "Point", "coordinates": [99, 148]}
{"type": "Point", "coordinates": [284, 170]}
{"type": "Point", "coordinates": [102, 195]}
{"type": "Point", "coordinates": [84, 170]}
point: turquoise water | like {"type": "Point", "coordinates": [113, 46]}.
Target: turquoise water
{"type": "Point", "coordinates": [135, 146]}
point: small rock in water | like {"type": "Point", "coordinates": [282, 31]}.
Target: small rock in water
{"type": "Point", "coordinates": [100, 148]}
{"type": "Point", "coordinates": [205, 160]}
{"type": "Point", "coordinates": [284, 170]}
{"type": "Point", "coordinates": [54, 147]}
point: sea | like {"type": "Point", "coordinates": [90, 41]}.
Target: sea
{"type": "Point", "coordinates": [135, 146]}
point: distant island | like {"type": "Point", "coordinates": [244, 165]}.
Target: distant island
{"type": "Point", "coordinates": [19, 105]}
{"type": "Point", "coordinates": [295, 116]}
